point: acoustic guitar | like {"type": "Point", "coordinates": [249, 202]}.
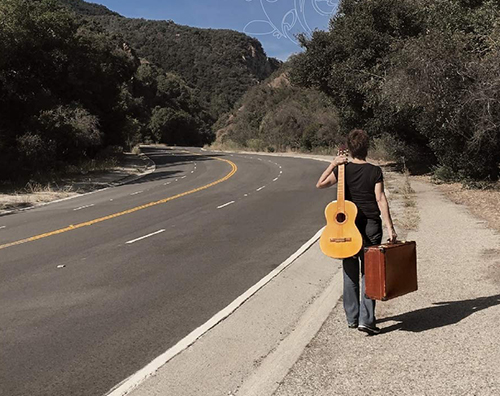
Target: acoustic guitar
{"type": "Point", "coordinates": [341, 238]}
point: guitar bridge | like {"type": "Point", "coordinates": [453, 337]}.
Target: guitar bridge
{"type": "Point", "coordinates": [340, 240]}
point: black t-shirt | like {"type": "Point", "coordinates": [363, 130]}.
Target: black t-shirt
{"type": "Point", "coordinates": [360, 180]}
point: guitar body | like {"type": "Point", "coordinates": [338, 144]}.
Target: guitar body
{"type": "Point", "coordinates": [341, 238]}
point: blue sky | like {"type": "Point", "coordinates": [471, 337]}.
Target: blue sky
{"type": "Point", "coordinates": [273, 22]}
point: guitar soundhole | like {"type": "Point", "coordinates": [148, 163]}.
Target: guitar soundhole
{"type": "Point", "coordinates": [341, 217]}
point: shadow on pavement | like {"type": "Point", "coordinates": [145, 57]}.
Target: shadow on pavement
{"type": "Point", "coordinates": [440, 315]}
{"type": "Point", "coordinates": [164, 160]}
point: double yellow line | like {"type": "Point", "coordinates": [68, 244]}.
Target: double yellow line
{"type": "Point", "coordinates": [234, 169]}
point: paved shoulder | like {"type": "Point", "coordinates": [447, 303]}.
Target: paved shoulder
{"type": "Point", "coordinates": [442, 340]}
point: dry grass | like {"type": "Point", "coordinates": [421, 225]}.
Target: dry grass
{"type": "Point", "coordinates": [402, 200]}
{"type": "Point", "coordinates": [136, 149]}
{"type": "Point", "coordinates": [228, 145]}
{"type": "Point", "coordinates": [485, 204]}
{"type": "Point", "coordinates": [100, 165]}
{"type": "Point", "coordinates": [259, 147]}
{"type": "Point", "coordinates": [32, 194]}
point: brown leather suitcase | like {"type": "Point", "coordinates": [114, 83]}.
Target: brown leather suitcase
{"type": "Point", "coordinates": [390, 270]}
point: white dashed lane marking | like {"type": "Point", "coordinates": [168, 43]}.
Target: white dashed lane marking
{"type": "Point", "coordinates": [226, 204]}
{"type": "Point", "coordinates": [137, 192]}
{"type": "Point", "coordinates": [145, 236]}
{"type": "Point", "coordinates": [83, 207]}
{"type": "Point", "coordinates": [276, 179]}
{"type": "Point", "coordinates": [261, 188]}
{"type": "Point", "coordinates": [2, 227]}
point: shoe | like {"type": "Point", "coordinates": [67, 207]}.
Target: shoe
{"type": "Point", "coordinates": [370, 330]}
{"type": "Point", "coordinates": [353, 325]}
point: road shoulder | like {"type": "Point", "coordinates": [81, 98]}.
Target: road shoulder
{"type": "Point", "coordinates": [440, 340]}
{"type": "Point", "coordinates": [238, 350]}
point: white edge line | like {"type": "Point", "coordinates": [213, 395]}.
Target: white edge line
{"type": "Point", "coordinates": [144, 237]}
{"type": "Point", "coordinates": [132, 382]}
{"type": "Point", "coordinates": [227, 204]}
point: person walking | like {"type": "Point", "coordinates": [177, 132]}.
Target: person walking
{"type": "Point", "coordinates": [364, 185]}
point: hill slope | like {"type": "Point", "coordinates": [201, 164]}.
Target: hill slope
{"type": "Point", "coordinates": [277, 116]}
{"type": "Point", "coordinates": [221, 64]}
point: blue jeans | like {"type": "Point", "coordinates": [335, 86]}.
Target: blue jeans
{"type": "Point", "coordinates": [356, 310]}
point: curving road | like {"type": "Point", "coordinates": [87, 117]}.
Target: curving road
{"type": "Point", "coordinates": [94, 288]}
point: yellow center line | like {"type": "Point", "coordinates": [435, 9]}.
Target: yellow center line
{"type": "Point", "coordinates": [234, 168]}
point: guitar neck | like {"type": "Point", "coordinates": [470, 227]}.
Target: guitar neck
{"type": "Point", "coordinates": [341, 187]}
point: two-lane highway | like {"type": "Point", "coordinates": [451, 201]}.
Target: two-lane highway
{"type": "Point", "coordinates": [104, 283]}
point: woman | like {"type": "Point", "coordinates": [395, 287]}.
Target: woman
{"type": "Point", "coordinates": [364, 185]}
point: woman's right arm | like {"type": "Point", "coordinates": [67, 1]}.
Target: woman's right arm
{"type": "Point", "coordinates": [328, 179]}
{"type": "Point", "coordinates": [384, 210]}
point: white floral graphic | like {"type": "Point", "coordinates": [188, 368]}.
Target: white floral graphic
{"type": "Point", "coordinates": [294, 21]}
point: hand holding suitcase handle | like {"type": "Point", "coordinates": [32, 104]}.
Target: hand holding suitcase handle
{"type": "Point", "coordinates": [393, 236]}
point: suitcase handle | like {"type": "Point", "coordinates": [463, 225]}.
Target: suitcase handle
{"type": "Point", "coordinates": [396, 241]}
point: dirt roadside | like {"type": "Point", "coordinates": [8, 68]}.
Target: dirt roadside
{"type": "Point", "coordinates": [129, 168]}
{"type": "Point", "coordinates": [441, 340]}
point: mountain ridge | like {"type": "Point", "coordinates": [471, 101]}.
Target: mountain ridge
{"type": "Point", "coordinates": [222, 64]}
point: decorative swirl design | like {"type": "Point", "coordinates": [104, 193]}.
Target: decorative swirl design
{"type": "Point", "coordinates": [296, 18]}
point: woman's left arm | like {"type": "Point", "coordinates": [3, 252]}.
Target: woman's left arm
{"type": "Point", "coordinates": [328, 179]}
{"type": "Point", "coordinates": [384, 210]}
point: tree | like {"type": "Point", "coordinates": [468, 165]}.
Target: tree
{"type": "Point", "coordinates": [421, 72]}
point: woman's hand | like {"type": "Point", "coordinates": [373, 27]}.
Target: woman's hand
{"type": "Point", "coordinates": [341, 159]}
{"type": "Point", "coordinates": [393, 236]}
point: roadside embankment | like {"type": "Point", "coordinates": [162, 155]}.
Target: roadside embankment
{"type": "Point", "coordinates": [130, 167]}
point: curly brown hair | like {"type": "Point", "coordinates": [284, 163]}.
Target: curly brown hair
{"type": "Point", "coordinates": [358, 143]}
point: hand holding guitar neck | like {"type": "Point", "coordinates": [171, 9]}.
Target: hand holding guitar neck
{"type": "Point", "coordinates": [340, 160]}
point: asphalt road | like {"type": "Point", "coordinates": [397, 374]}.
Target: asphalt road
{"type": "Point", "coordinates": [115, 306]}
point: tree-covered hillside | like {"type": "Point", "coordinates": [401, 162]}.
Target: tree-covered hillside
{"type": "Point", "coordinates": [70, 86]}
{"type": "Point", "coordinates": [221, 64]}
{"type": "Point", "coordinates": [423, 75]}
{"type": "Point", "coordinates": [276, 116]}
{"type": "Point", "coordinates": [87, 8]}
{"type": "Point", "coordinates": [68, 90]}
